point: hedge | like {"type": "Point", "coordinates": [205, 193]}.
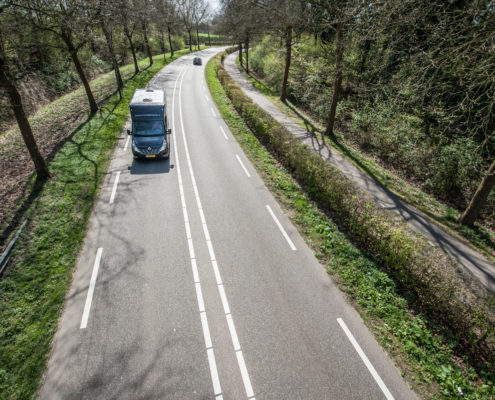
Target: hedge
{"type": "Point", "coordinates": [438, 283]}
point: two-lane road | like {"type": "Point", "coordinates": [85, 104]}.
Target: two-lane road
{"type": "Point", "coordinates": [193, 284]}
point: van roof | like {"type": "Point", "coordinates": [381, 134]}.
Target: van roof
{"type": "Point", "coordinates": [148, 97]}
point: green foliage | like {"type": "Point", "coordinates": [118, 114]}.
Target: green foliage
{"type": "Point", "coordinates": [424, 354]}
{"type": "Point", "coordinates": [425, 271]}
{"type": "Point", "coordinates": [380, 111]}
{"type": "Point", "coordinates": [178, 42]}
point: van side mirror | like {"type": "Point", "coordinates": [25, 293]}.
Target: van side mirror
{"type": "Point", "coordinates": [129, 132]}
{"type": "Point", "coordinates": [169, 131]}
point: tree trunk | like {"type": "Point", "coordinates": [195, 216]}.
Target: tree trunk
{"type": "Point", "coordinates": [108, 37]}
{"type": "Point", "coordinates": [240, 54]}
{"type": "Point", "coordinates": [479, 199]}
{"type": "Point", "coordinates": [170, 41]}
{"type": "Point", "coordinates": [288, 57]}
{"type": "Point", "coordinates": [80, 71]}
{"type": "Point", "coordinates": [7, 82]}
{"type": "Point", "coordinates": [364, 55]}
{"type": "Point", "coordinates": [338, 79]}
{"type": "Point", "coordinates": [162, 44]}
{"type": "Point", "coordinates": [209, 40]}
{"type": "Point", "coordinates": [190, 43]}
{"type": "Point", "coordinates": [131, 45]}
{"type": "Point", "coordinates": [246, 46]}
{"type": "Point", "coordinates": [147, 43]}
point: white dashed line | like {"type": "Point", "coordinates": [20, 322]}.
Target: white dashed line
{"type": "Point", "coordinates": [207, 99]}
{"type": "Point", "coordinates": [291, 244]}
{"type": "Point", "coordinates": [365, 359]}
{"type": "Point", "coordinates": [213, 260]}
{"type": "Point", "coordinates": [199, 295]}
{"type": "Point", "coordinates": [223, 133]}
{"type": "Point", "coordinates": [214, 374]}
{"type": "Point", "coordinates": [213, 112]}
{"type": "Point", "coordinates": [114, 190]}
{"type": "Point", "coordinates": [244, 374]}
{"type": "Point", "coordinates": [91, 289]}
{"type": "Point", "coordinates": [243, 167]}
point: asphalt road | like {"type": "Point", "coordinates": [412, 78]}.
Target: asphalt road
{"type": "Point", "coordinates": [193, 284]}
{"type": "Point", "coordinates": [467, 258]}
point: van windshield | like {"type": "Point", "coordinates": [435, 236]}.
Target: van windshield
{"type": "Point", "coordinates": [148, 128]}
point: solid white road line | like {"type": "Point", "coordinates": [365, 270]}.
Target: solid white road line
{"type": "Point", "coordinates": [243, 167]}
{"type": "Point", "coordinates": [92, 283]}
{"type": "Point", "coordinates": [365, 359]}
{"type": "Point", "coordinates": [221, 289]}
{"type": "Point", "coordinates": [213, 111]}
{"type": "Point", "coordinates": [223, 133]}
{"type": "Point", "coordinates": [233, 333]}
{"type": "Point", "coordinates": [199, 295]}
{"type": "Point", "coordinates": [126, 143]}
{"type": "Point", "coordinates": [291, 244]}
{"type": "Point", "coordinates": [114, 190]}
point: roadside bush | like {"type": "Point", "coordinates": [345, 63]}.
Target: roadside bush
{"type": "Point", "coordinates": [434, 278]}
{"type": "Point", "coordinates": [273, 71]}
{"type": "Point", "coordinates": [457, 170]}
{"type": "Point", "coordinates": [178, 42]}
{"type": "Point", "coordinates": [258, 53]}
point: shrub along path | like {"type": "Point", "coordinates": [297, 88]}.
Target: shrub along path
{"type": "Point", "coordinates": [471, 260]}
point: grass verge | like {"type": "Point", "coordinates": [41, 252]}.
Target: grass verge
{"type": "Point", "coordinates": [422, 349]}
{"type": "Point", "coordinates": [478, 236]}
{"type": "Point", "coordinates": [53, 125]}
{"type": "Point", "coordinates": [34, 285]}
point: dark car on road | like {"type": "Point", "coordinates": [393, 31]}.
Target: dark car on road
{"type": "Point", "coordinates": [197, 61]}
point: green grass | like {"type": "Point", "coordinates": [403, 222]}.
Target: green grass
{"type": "Point", "coordinates": [479, 237]}
{"type": "Point", "coordinates": [422, 352]}
{"type": "Point", "coordinates": [212, 35]}
{"type": "Point", "coordinates": [34, 285]}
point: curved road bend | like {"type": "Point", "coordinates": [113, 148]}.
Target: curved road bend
{"type": "Point", "coordinates": [193, 284]}
{"type": "Point", "coordinates": [472, 261]}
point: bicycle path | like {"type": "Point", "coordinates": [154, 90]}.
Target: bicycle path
{"type": "Point", "coordinates": [472, 261]}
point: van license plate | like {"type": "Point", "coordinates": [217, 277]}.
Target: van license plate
{"type": "Point", "coordinates": [150, 155]}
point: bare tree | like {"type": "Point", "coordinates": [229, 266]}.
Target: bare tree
{"type": "Point", "coordinates": [69, 21]}
{"type": "Point", "coordinates": [106, 15]}
{"type": "Point", "coordinates": [192, 13]}
{"type": "Point", "coordinates": [165, 18]}
{"type": "Point", "coordinates": [127, 18]}
{"type": "Point", "coordinates": [243, 20]}
{"type": "Point", "coordinates": [7, 82]}
{"type": "Point", "coordinates": [145, 10]}
{"type": "Point", "coordinates": [333, 19]}
{"type": "Point", "coordinates": [286, 18]}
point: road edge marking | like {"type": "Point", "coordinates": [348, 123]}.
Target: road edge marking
{"type": "Point", "coordinates": [243, 166]}
{"type": "Point", "coordinates": [281, 228]}
{"type": "Point", "coordinates": [365, 360]}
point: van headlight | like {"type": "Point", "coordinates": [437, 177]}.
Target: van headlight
{"type": "Point", "coordinates": [163, 147]}
{"type": "Point", "coordinates": [136, 149]}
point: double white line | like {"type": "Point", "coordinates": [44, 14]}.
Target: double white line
{"type": "Point", "coordinates": [221, 290]}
